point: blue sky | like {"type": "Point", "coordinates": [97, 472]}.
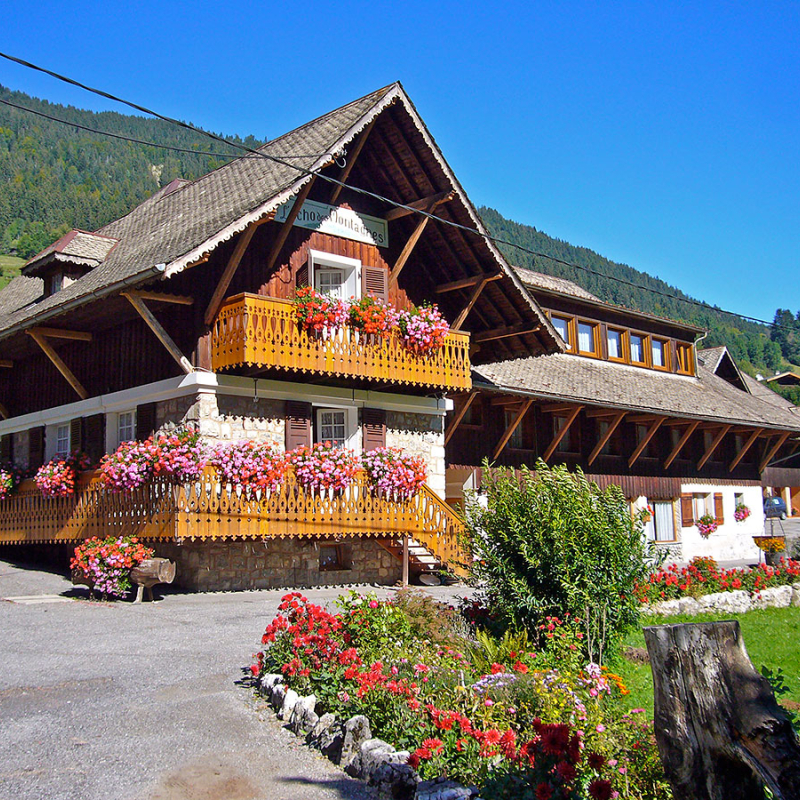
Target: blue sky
{"type": "Point", "coordinates": [662, 135]}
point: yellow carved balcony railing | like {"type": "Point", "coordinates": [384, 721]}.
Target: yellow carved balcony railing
{"type": "Point", "coordinates": [206, 509]}
{"type": "Point", "coordinates": [263, 331]}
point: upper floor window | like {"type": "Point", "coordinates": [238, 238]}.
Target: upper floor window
{"type": "Point", "coordinates": [660, 353]}
{"type": "Point", "coordinates": [332, 426]}
{"type": "Point", "coordinates": [334, 275]}
{"type": "Point", "coordinates": [126, 426]}
{"type": "Point", "coordinates": [685, 362]}
{"type": "Point", "coordinates": [616, 350]}
{"type": "Point", "coordinates": [562, 328]}
{"type": "Point", "coordinates": [62, 440]}
{"type": "Point", "coordinates": [637, 349]}
{"type": "Point", "coordinates": [587, 338]}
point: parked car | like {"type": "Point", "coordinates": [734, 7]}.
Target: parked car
{"type": "Point", "coordinates": [774, 507]}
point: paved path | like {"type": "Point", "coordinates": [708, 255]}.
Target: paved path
{"type": "Point", "coordinates": [140, 702]}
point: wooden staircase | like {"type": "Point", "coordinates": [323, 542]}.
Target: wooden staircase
{"type": "Point", "coordinates": [421, 561]}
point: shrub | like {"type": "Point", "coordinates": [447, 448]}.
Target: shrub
{"type": "Point", "coordinates": [551, 542]}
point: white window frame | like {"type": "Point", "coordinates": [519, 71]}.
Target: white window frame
{"type": "Point", "coordinates": [58, 452]}
{"type": "Point", "coordinates": [132, 427]}
{"type": "Point", "coordinates": [702, 504]}
{"type": "Point", "coordinates": [318, 260]}
{"type": "Point", "coordinates": [352, 430]}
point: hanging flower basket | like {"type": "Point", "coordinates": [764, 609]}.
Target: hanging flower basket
{"type": "Point", "coordinates": [741, 512]}
{"type": "Point", "coordinates": [57, 477]}
{"type": "Point", "coordinates": [707, 525]}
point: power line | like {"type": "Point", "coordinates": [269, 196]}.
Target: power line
{"type": "Point", "coordinates": [379, 197]}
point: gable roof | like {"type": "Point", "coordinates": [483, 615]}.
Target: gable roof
{"type": "Point", "coordinates": [183, 222]}
{"type": "Point", "coordinates": [593, 382]}
{"type": "Point", "coordinates": [721, 363]}
{"type": "Point", "coordinates": [76, 247]}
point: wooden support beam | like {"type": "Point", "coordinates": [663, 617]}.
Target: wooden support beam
{"type": "Point", "coordinates": [557, 408]}
{"type": "Point", "coordinates": [715, 442]}
{"type": "Point", "coordinates": [351, 160]}
{"type": "Point", "coordinates": [503, 333]}
{"type": "Point", "coordinates": [751, 440]}
{"type": "Point", "coordinates": [40, 339]}
{"type": "Point", "coordinates": [648, 436]}
{"type": "Point", "coordinates": [147, 315]}
{"type": "Point", "coordinates": [772, 451]}
{"type": "Point", "coordinates": [424, 204]}
{"type": "Point", "coordinates": [562, 433]}
{"type": "Point", "coordinates": [175, 299]}
{"type": "Point", "coordinates": [6, 363]}
{"type": "Point", "coordinates": [523, 409]}
{"type": "Point", "coordinates": [595, 413]}
{"type": "Point", "coordinates": [606, 436]}
{"type": "Point", "coordinates": [4, 412]}
{"type": "Point", "coordinates": [407, 250]}
{"type": "Point", "coordinates": [645, 418]}
{"type": "Point", "coordinates": [690, 429]}
{"type": "Point", "coordinates": [506, 400]}
{"type": "Point", "coordinates": [57, 333]}
{"type": "Point", "coordinates": [473, 298]}
{"type": "Point", "coordinates": [456, 421]}
{"type": "Point", "coordinates": [466, 283]}
{"type": "Point", "coordinates": [230, 270]}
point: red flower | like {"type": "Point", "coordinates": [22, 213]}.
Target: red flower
{"type": "Point", "coordinates": [600, 790]}
{"type": "Point", "coordinates": [596, 761]}
{"type": "Point", "coordinates": [566, 771]}
{"type": "Point", "coordinates": [544, 791]}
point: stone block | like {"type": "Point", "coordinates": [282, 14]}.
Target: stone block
{"type": "Point", "coordinates": [298, 721]}
{"type": "Point", "coordinates": [774, 597]}
{"type": "Point", "coordinates": [395, 781]}
{"type": "Point", "coordinates": [374, 753]}
{"type": "Point", "coordinates": [321, 726]}
{"type": "Point", "coordinates": [289, 702]}
{"type": "Point", "coordinates": [278, 696]}
{"type": "Point", "coordinates": [796, 594]}
{"type": "Point", "coordinates": [356, 732]}
{"type": "Point", "coordinates": [331, 741]}
{"type": "Point", "coordinates": [443, 789]}
{"type": "Point", "coordinates": [269, 680]}
{"type": "Point", "coordinates": [727, 602]}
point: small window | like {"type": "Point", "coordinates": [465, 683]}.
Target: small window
{"type": "Point", "coordinates": [126, 426]}
{"type": "Point", "coordinates": [637, 349]}
{"type": "Point", "coordinates": [659, 351]}
{"type": "Point", "coordinates": [561, 324]}
{"type": "Point", "coordinates": [570, 443]}
{"type": "Point", "coordinates": [664, 521]}
{"type": "Point", "coordinates": [738, 499]}
{"type": "Point", "coordinates": [516, 442]}
{"type": "Point", "coordinates": [330, 282]}
{"type": "Point", "coordinates": [62, 441]}
{"type": "Point", "coordinates": [703, 505]}
{"type": "Point", "coordinates": [587, 338]}
{"type": "Point", "coordinates": [615, 345]}
{"type": "Point", "coordinates": [612, 446]}
{"type": "Point", "coordinates": [685, 361]}
{"type": "Point", "coordinates": [332, 426]}
{"type": "Point", "coordinates": [641, 435]}
{"type": "Point", "coordinates": [334, 557]}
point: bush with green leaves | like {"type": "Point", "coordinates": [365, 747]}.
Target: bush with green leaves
{"type": "Point", "coordinates": [550, 542]}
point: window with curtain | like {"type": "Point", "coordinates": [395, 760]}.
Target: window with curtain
{"type": "Point", "coordinates": [659, 349]}
{"type": "Point", "coordinates": [664, 521]}
{"type": "Point", "coordinates": [615, 344]}
{"type": "Point", "coordinates": [586, 338]}
{"type": "Point", "coordinates": [637, 349]}
{"type": "Point", "coordinates": [562, 327]}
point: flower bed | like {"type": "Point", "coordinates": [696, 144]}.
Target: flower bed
{"type": "Point", "coordinates": [703, 577]}
{"type": "Point", "coordinates": [491, 712]}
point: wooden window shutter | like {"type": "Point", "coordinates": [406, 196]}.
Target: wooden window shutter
{"type": "Point", "coordinates": [298, 424]}
{"type": "Point", "coordinates": [35, 447]}
{"type": "Point", "coordinates": [373, 428]}
{"type": "Point", "coordinates": [145, 420]}
{"type": "Point", "coordinates": [301, 276]}
{"type": "Point", "coordinates": [687, 511]}
{"type": "Point", "coordinates": [76, 435]}
{"type": "Point", "coordinates": [6, 449]}
{"type": "Point", "coordinates": [719, 514]}
{"type": "Point", "coordinates": [375, 281]}
{"type": "Point", "coordinates": [94, 436]}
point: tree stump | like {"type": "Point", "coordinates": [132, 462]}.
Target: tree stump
{"type": "Point", "coordinates": [720, 732]}
{"type": "Point", "coordinates": [150, 572]}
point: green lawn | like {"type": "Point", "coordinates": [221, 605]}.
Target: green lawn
{"type": "Point", "coordinates": [9, 268]}
{"type": "Point", "coordinates": [771, 636]}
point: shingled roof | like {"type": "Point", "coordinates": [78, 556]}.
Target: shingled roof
{"type": "Point", "coordinates": [183, 222]}
{"type": "Point", "coordinates": [590, 381]}
{"type": "Point", "coordinates": [538, 280]}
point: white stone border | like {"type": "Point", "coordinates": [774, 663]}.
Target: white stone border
{"type": "Point", "coordinates": [736, 602]}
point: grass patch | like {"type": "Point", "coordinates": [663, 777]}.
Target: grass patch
{"type": "Point", "coordinates": [9, 268]}
{"type": "Point", "coordinates": [771, 636]}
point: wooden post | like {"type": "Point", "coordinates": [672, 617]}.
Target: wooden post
{"type": "Point", "coordinates": [405, 560]}
{"type": "Point", "coordinates": [720, 732]}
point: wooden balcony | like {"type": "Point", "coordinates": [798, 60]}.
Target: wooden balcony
{"type": "Point", "coordinates": [256, 331]}
{"type": "Point", "coordinates": [205, 509]}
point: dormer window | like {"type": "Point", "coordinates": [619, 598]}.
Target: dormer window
{"type": "Point", "coordinates": [562, 328]}
{"type": "Point", "coordinates": [53, 283]}
{"type": "Point", "coordinates": [637, 349]}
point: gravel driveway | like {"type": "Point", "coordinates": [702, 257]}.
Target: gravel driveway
{"type": "Point", "coordinates": [125, 702]}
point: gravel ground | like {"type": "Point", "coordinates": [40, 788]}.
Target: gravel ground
{"type": "Point", "coordinates": [117, 701]}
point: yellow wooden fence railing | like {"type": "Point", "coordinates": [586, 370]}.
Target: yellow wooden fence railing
{"type": "Point", "coordinates": [206, 509]}
{"type": "Point", "coordinates": [263, 331]}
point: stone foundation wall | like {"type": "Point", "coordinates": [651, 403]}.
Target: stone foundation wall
{"type": "Point", "coordinates": [282, 563]}
{"type": "Point", "coordinates": [420, 435]}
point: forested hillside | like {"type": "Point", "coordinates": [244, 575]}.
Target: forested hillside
{"type": "Point", "coordinates": [55, 177]}
{"type": "Point", "coordinates": [755, 347]}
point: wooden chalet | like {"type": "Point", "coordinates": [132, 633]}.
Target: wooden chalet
{"type": "Point", "coordinates": [630, 401]}
{"type": "Point", "coordinates": [180, 313]}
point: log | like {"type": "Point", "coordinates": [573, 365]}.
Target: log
{"type": "Point", "coordinates": [150, 572]}
{"type": "Point", "coordinates": [720, 732]}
